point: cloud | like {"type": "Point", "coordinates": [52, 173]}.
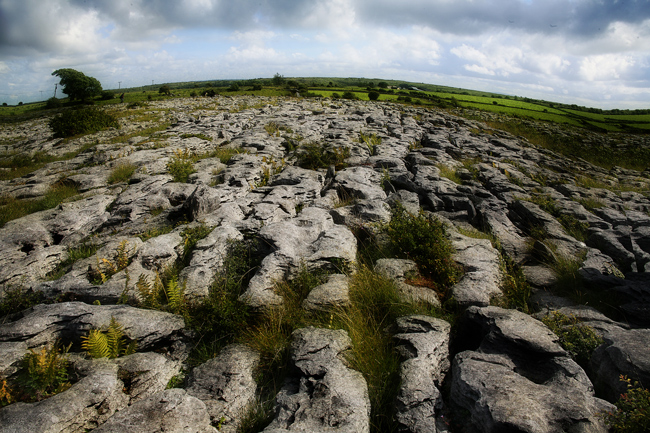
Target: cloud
{"type": "Point", "coordinates": [605, 67]}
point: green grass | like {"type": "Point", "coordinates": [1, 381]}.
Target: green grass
{"type": "Point", "coordinates": [121, 173]}
{"type": "Point", "coordinates": [74, 254]}
{"type": "Point", "coordinates": [11, 208]}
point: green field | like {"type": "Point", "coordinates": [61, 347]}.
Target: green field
{"type": "Point", "coordinates": [399, 91]}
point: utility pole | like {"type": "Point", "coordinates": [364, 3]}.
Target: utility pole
{"type": "Point", "coordinates": [119, 85]}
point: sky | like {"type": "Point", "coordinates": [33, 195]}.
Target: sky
{"type": "Point", "coordinates": [587, 52]}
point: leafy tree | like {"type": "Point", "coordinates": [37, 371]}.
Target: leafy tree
{"type": "Point", "coordinates": [373, 96]}
{"type": "Point", "coordinates": [278, 79]}
{"type": "Point", "coordinates": [382, 84]}
{"type": "Point", "coordinates": [164, 89]}
{"type": "Point", "coordinates": [77, 85]}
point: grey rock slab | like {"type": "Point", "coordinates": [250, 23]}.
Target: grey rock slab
{"type": "Point", "coordinates": [43, 323]}
{"type": "Point", "coordinates": [396, 269]}
{"type": "Point", "coordinates": [310, 239]}
{"type": "Point", "coordinates": [148, 373]}
{"type": "Point", "coordinates": [516, 376]}
{"type": "Point", "coordinates": [625, 352]}
{"type": "Point", "coordinates": [482, 278]}
{"type": "Point", "coordinates": [207, 260]}
{"type": "Point", "coordinates": [361, 182]}
{"type": "Point", "coordinates": [506, 330]}
{"type": "Point", "coordinates": [171, 410]}
{"type": "Point", "coordinates": [332, 294]}
{"type": "Point", "coordinates": [226, 385]}
{"type": "Point", "coordinates": [423, 343]}
{"type": "Point", "coordinates": [325, 395]}
{"type": "Point", "coordinates": [11, 352]}
{"type": "Point", "coordinates": [499, 398]}
{"type": "Point", "coordinates": [89, 402]}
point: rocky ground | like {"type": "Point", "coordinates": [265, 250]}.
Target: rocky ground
{"type": "Point", "coordinates": [500, 370]}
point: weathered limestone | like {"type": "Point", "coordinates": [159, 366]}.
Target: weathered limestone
{"type": "Point", "coordinates": [519, 377]}
{"type": "Point", "coordinates": [326, 395]}
{"type": "Point", "coordinates": [423, 343]}
{"type": "Point", "coordinates": [225, 384]}
{"type": "Point", "coordinates": [509, 372]}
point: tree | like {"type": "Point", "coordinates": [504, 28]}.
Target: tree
{"type": "Point", "coordinates": [278, 79]}
{"type": "Point", "coordinates": [382, 85]}
{"type": "Point", "coordinates": [164, 89]}
{"type": "Point", "coordinates": [373, 96]}
{"type": "Point", "coordinates": [77, 85]}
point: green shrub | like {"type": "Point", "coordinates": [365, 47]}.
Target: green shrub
{"type": "Point", "coordinates": [181, 165]}
{"type": "Point", "coordinates": [373, 96]}
{"type": "Point", "coordinates": [314, 155]}
{"type": "Point", "coordinates": [111, 343]}
{"type": "Point", "coordinates": [576, 338]}
{"type": "Point", "coordinates": [424, 240]}
{"type": "Point", "coordinates": [633, 414]}
{"type": "Point", "coordinates": [349, 95]}
{"type": "Point", "coordinates": [82, 121]}
{"type": "Point", "coordinates": [107, 95]}
{"type": "Point", "coordinates": [17, 299]}
{"type": "Point", "coordinates": [121, 173]}
{"type": "Point", "coordinates": [53, 103]}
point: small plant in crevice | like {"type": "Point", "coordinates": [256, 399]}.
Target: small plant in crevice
{"type": "Point", "coordinates": [375, 304]}
{"type": "Point", "coordinates": [575, 337]}
{"type": "Point", "coordinates": [270, 168]}
{"type": "Point", "coordinates": [633, 410]}
{"type": "Point", "coordinates": [371, 141]}
{"type": "Point", "coordinates": [163, 293]}
{"type": "Point", "coordinates": [16, 299]}
{"type": "Point", "coordinates": [516, 289]}
{"type": "Point", "coordinates": [191, 236]}
{"type": "Point", "coordinates": [111, 343]}
{"type": "Point", "coordinates": [83, 251]}
{"type": "Point", "coordinates": [449, 173]}
{"type": "Point", "coordinates": [315, 155]}
{"type": "Point", "coordinates": [573, 227]}
{"type": "Point", "coordinates": [121, 173]}
{"type": "Point", "coordinates": [12, 208]}
{"type": "Point", "coordinates": [221, 316]}
{"type": "Point", "coordinates": [181, 165]}
{"type": "Point", "coordinates": [43, 373]}
{"type": "Point", "coordinates": [106, 268]}
{"type": "Point", "coordinates": [591, 203]}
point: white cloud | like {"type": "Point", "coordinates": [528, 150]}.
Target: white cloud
{"type": "Point", "coordinates": [605, 67]}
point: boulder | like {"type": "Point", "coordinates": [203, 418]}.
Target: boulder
{"type": "Point", "coordinates": [516, 377]}
{"type": "Point", "coordinates": [324, 395]}
{"type": "Point", "coordinates": [171, 410]}
{"type": "Point", "coordinates": [423, 344]}
{"type": "Point", "coordinates": [226, 385]}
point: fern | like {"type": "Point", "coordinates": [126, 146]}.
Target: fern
{"type": "Point", "coordinates": [175, 296]}
{"type": "Point", "coordinates": [149, 292]}
{"type": "Point", "coordinates": [6, 392]}
{"type": "Point", "coordinates": [96, 344]}
{"type": "Point", "coordinates": [110, 344]}
{"type": "Point", "coordinates": [44, 372]}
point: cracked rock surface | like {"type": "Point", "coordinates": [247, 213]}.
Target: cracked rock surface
{"type": "Point", "coordinates": [501, 370]}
